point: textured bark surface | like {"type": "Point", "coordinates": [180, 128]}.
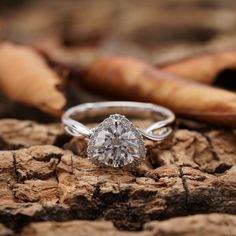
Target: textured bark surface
{"type": "Point", "coordinates": [217, 224]}
{"type": "Point", "coordinates": [46, 176]}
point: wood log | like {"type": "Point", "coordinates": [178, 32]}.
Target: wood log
{"type": "Point", "coordinates": [212, 224]}
{"type": "Point", "coordinates": [43, 179]}
{"type": "Point", "coordinates": [15, 134]}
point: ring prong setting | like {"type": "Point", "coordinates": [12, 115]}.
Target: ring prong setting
{"type": "Point", "coordinates": [116, 142]}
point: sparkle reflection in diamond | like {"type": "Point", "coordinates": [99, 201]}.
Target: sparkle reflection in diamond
{"type": "Point", "coordinates": [116, 142]}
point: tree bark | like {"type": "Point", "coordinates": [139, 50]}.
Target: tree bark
{"type": "Point", "coordinates": [212, 224]}
{"type": "Point", "coordinates": [45, 176]}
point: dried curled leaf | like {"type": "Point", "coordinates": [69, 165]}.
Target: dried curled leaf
{"type": "Point", "coordinates": [25, 77]}
{"type": "Point", "coordinates": [128, 78]}
{"type": "Point", "coordinates": [202, 68]}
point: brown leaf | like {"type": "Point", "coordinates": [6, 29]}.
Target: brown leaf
{"type": "Point", "coordinates": [128, 78]}
{"type": "Point", "coordinates": [25, 77]}
{"type": "Point", "coordinates": [204, 67]}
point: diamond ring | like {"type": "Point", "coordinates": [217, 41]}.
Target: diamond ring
{"type": "Point", "coordinates": [116, 142]}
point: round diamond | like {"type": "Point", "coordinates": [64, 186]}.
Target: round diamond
{"type": "Point", "coordinates": [117, 143]}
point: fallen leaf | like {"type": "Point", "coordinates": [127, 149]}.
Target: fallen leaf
{"type": "Point", "coordinates": [203, 67]}
{"type": "Point", "coordinates": [72, 58]}
{"type": "Point", "coordinates": [128, 78]}
{"type": "Point", "coordinates": [25, 77]}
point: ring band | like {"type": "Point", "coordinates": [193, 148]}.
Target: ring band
{"type": "Point", "coordinates": [116, 141]}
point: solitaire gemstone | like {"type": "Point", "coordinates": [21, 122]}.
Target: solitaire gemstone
{"type": "Point", "coordinates": [117, 143]}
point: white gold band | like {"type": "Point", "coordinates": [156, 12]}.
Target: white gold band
{"type": "Point", "coordinates": [83, 111]}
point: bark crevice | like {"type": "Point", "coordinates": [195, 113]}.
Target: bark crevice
{"type": "Point", "coordinates": [43, 182]}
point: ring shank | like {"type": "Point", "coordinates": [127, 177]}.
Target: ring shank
{"type": "Point", "coordinates": [74, 115]}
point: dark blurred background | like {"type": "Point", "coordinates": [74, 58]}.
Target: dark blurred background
{"type": "Point", "coordinates": [74, 33]}
{"type": "Point", "coordinates": [157, 31]}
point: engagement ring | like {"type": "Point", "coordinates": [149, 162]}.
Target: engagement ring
{"type": "Point", "coordinates": [116, 141]}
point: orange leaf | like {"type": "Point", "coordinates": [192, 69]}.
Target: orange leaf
{"type": "Point", "coordinates": [25, 77]}
{"type": "Point", "coordinates": [128, 78]}
{"type": "Point", "coordinates": [202, 68]}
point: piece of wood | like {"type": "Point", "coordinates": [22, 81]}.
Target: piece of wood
{"type": "Point", "coordinates": [212, 224]}
{"type": "Point", "coordinates": [5, 231]}
{"type": "Point", "coordinates": [193, 172]}
{"type": "Point", "coordinates": [15, 134]}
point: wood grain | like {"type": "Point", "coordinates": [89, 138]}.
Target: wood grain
{"type": "Point", "coordinates": [191, 173]}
